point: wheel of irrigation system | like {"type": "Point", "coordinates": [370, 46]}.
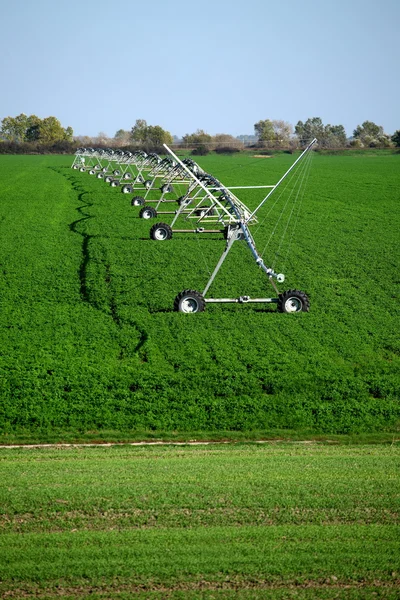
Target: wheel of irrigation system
{"type": "Point", "coordinates": [108, 179]}
{"type": "Point", "coordinates": [100, 175]}
{"type": "Point", "coordinates": [104, 169]}
{"type": "Point", "coordinates": [97, 167]}
{"type": "Point", "coordinates": [148, 183]}
{"type": "Point", "coordinates": [137, 201]}
{"type": "Point", "coordinates": [189, 301]}
{"type": "Point", "coordinates": [127, 189]}
{"type": "Point", "coordinates": [148, 212]}
{"type": "Point", "coordinates": [127, 176]}
{"type": "Point", "coordinates": [293, 301]}
{"type": "Point", "coordinates": [75, 167]}
{"type": "Point", "coordinates": [167, 188]}
{"type": "Point", "coordinates": [202, 212]}
{"type": "Point", "coordinates": [114, 183]}
{"type": "Point", "coordinates": [116, 172]}
{"type": "Point", "coordinates": [82, 169]}
{"type": "Point", "coordinates": [92, 172]}
{"type": "Point", "coordinates": [161, 232]}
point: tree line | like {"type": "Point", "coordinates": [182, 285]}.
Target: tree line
{"type": "Point", "coordinates": [27, 132]}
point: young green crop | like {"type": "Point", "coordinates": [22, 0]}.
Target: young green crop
{"type": "Point", "coordinates": [251, 520]}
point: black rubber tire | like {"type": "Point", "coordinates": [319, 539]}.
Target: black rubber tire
{"type": "Point", "coordinates": [160, 232]}
{"type": "Point", "coordinates": [127, 176]}
{"type": "Point", "coordinates": [167, 188]}
{"type": "Point", "coordinates": [82, 169]}
{"type": "Point", "coordinates": [148, 212]}
{"type": "Point", "coordinates": [189, 301]}
{"type": "Point", "coordinates": [75, 167]}
{"type": "Point", "coordinates": [100, 175]}
{"type": "Point", "coordinates": [108, 179]}
{"type": "Point", "coordinates": [92, 172]}
{"type": "Point", "coordinates": [201, 212]}
{"type": "Point", "coordinates": [127, 189]}
{"type": "Point", "coordinates": [115, 183]}
{"type": "Point", "coordinates": [293, 301]}
{"type": "Point", "coordinates": [116, 172]}
{"type": "Point", "coordinates": [148, 183]}
{"type": "Point", "coordinates": [137, 201]}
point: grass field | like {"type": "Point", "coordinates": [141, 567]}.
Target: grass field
{"type": "Point", "coordinates": [288, 520]}
{"type": "Point", "coordinates": [91, 349]}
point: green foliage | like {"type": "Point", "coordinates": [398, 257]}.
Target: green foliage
{"type": "Point", "coordinates": [371, 135]}
{"type": "Point", "coordinates": [89, 340]}
{"type": "Point", "coordinates": [396, 138]}
{"type": "Point", "coordinates": [328, 136]}
{"type": "Point", "coordinates": [198, 139]}
{"type": "Point", "coordinates": [239, 521]}
{"type": "Point", "coordinates": [201, 150]}
{"type": "Point", "coordinates": [33, 129]}
{"type": "Point", "coordinates": [368, 128]}
{"type": "Point", "coordinates": [264, 130]}
{"type": "Point", "coordinates": [150, 136]}
{"type": "Point", "coordinates": [274, 134]}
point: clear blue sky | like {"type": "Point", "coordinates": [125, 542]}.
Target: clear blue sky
{"type": "Point", "coordinates": [218, 65]}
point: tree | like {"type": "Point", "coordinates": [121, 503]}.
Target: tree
{"type": "Point", "coordinates": [328, 136]}
{"type": "Point", "coordinates": [69, 134]}
{"type": "Point", "coordinates": [199, 138]}
{"type": "Point", "coordinates": [157, 136]}
{"type": "Point", "coordinates": [50, 130]}
{"type": "Point", "coordinates": [223, 142]}
{"type": "Point", "coordinates": [138, 131]}
{"type": "Point", "coordinates": [312, 128]}
{"type": "Point", "coordinates": [275, 134]}
{"type": "Point", "coordinates": [283, 133]}
{"type": "Point", "coordinates": [264, 131]}
{"type": "Point", "coordinates": [368, 130]}
{"type": "Point", "coordinates": [33, 129]}
{"type": "Point", "coordinates": [122, 137]}
{"type": "Point", "coordinates": [101, 139]}
{"type": "Point", "coordinates": [14, 128]}
{"type": "Point", "coordinates": [371, 135]}
{"type": "Point", "coordinates": [150, 136]}
{"type": "Point", "coordinates": [396, 138]}
{"type": "Point", "coordinates": [334, 136]}
{"type": "Point", "coordinates": [200, 141]}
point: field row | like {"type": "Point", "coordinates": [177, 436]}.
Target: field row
{"type": "Point", "coordinates": [247, 521]}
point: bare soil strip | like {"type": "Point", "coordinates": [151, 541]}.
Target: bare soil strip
{"type": "Point", "coordinates": [203, 585]}
{"type": "Point", "coordinates": [158, 443]}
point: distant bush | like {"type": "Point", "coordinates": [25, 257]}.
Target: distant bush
{"type": "Point", "coordinates": [201, 150]}
{"type": "Point", "coordinates": [226, 150]}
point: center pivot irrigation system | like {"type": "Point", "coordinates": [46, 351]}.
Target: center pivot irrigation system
{"type": "Point", "coordinates": [207, 200]}
{"type": "Point", "coordinates": [191, 301]}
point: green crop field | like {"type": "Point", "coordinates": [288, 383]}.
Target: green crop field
{"type": "Point", "coordinates": [91, 348]}
{"type": "Point", "coordinates": [278, 520]}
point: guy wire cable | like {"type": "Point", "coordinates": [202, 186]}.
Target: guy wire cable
{"type": "Point", "coordinates": [296, 205]}
{"type": "Point", "coordinates": [299, 173]}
